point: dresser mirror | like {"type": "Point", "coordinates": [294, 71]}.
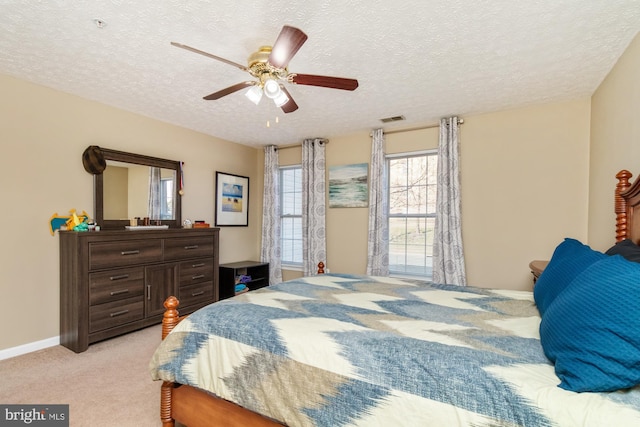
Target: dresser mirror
{"type": "Point", "coordinates": [134, 185]}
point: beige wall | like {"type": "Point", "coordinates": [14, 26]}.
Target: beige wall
{"type": "Point", "coordinates": [524, 188]}
{"type": "Point", "coordinates": [522, 171]}
{"type": "Point", "coordinates": [615, 141]}
{"type": "Point", "coordinates": [43, 135]}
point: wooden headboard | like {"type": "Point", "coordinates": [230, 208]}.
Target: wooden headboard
{"type": "Point", "coordinates": [627, 205]}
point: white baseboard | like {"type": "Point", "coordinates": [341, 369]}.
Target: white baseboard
{"type": "Point", "coordinates": [28, 348]}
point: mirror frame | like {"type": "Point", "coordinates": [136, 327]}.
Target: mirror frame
{"type": "Point", "coordinates": [138, 159]}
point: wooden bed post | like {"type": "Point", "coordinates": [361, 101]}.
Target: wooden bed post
{"type": "Point", "coordinates": [171, 316]}
{"type": "Point", "coordinates": [621, 204]}
{"type": "Point", "coordinates": [165, 404]}
{"type": "Point", "coordinates": [170, 319]}
{"type": "Point", "coordinates": [321, 267]}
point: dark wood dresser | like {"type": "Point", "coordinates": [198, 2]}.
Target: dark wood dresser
{"type": "Point", "coordinates": [114, 282]}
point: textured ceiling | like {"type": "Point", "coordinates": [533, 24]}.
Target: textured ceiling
{"type": "Point", "coordinates": [423, 59]}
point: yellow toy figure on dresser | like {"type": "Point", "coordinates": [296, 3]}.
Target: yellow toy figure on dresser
{"type": "Point", "coordinates": [57, 222]}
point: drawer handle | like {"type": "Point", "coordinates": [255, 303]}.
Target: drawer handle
{"type": "Point", "coordinates": [136, 252]}
{"type": "Point", "coordinates": [149, 292]}
{"type": "Point", "coordinates": [120, 277]}
{"type": "Point", "coordinates": [196, 277]}
{"type": "Point", "coordinates": [191, 247]}
{"type": "Point", "coordinates": [195, 294]}
{"type": "Point", "coordinates": [197, 265]}
{"type": "Point", "coordinates": [120, 292]}
{"type": "Point", "coordinates": [119, 313]}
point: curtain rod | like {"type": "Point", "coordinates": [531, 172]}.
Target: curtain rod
{"type": "Point", "coordinates": [284, 147]}
{"type": "Point", "coordinates": [460, 121]}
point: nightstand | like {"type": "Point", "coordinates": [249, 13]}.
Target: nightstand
{"type": "Point", "coordinates": [259, 272]}
{"type": "Point", "coordinates": [537, 267]}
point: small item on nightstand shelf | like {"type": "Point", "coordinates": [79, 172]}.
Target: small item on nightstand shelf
{"type": "Point", "coordinates": [241, 284]}
{"type": "Point", "coordinates": [243, 278]}
{"type": "Point", "coordinates": [201, 224]}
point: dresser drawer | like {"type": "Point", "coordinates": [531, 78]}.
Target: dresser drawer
{"type": "Point", "coordinates": [115, 285]}
{"type": "Point", "coordinates": [119, 254]}
{"type": "Point", "coordinates": [194, 294]}
{"type": "Point", "coordinates": [196, 271]}
{"type": "Point", "coordinates": [111, 314]}
{"type": "Point", "coordinates": [188, 247]}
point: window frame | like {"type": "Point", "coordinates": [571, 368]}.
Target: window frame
{"type": "Point", "coordinates": [167, 192]}
{"type": "Point", "coordinates": [426, 215]}
{"type": "Point", "coordinates": [288, 264]}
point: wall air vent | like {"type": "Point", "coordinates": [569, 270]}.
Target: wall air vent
{"type": "Point", "coordinates": [392, 119]}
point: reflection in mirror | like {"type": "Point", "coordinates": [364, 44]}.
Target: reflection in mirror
{"type": "Point", "coordinates": [134, 185]}
{"type": "Point", "coordinates": [132, 190]}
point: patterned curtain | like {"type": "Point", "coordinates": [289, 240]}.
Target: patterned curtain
{"type": "Point", "coordinates": [448, 256]}
{"type": "Point", "coordinates": [270, 251]}
{"type": "Point", "coordinates": [314, 246]}
{"type": "Point", "coordinates": [154, 208]}
{"type": "Point", "coordinates": [378, 239]}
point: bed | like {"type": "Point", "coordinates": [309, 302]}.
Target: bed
{"type": "Point", "coordinates": [353, 350]}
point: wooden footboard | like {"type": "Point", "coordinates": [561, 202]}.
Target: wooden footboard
{"type": "Point", "coordinates": [194, 407]}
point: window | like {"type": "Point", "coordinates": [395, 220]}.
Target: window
{"type": "Point", "coordinates": [412, 208]}
{"type": "Point", "coordinates": [291, 215]}
{"type": "Point", "coordinates": [166, 195]}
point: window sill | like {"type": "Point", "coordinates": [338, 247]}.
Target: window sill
{"type": "Point", "coordinates": [411, 276]}
{"type": "Point", "coordinates": [291, 267]}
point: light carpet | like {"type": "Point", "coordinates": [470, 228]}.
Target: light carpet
{"type": "Point", "coordinates": [107, 385]}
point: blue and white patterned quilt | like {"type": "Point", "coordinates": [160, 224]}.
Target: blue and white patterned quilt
{"type": "Point", "coordinates": [345, 350]}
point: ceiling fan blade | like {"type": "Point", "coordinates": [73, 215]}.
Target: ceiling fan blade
{"type": "Point", "coordinates": [291, 105]}
{"type": "Point", "coordinates": [287, 44]}
{"type": "Point", "coordinates": [217, 58]}
{"type": "Point", "coordinates": [231, 89]}
{"type": "Point", "coordinates": [323, 81]}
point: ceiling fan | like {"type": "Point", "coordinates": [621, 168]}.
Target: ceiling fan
{"type": "Point", "coordinates": [269, 66]}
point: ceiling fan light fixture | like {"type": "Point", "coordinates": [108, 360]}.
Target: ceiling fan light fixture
{"type": "Point", "coordinates": [254, 94]}
{"type": "Point", "coordinates": [269, 67]}
{"type": "Point", "coordinates": [272, 89]}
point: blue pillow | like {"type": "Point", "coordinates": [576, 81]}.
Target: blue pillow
{"type": "Point", "coordinates": [591, 331]}
{"type": "Point", "coordinates": [627, 249]}
{"type": "Point", "coordinates": [569, 259]}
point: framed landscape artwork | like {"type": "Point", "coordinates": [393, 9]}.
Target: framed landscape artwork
{"type": "Point", "coordinates": [348, 186]}
{"type": "Point", "coordinates": [232, 200]}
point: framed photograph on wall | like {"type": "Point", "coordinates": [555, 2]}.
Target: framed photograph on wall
{"type": "Point", "coordinates": [348, 186]}
{"type": "Point", "coordinates": [232, 200]}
